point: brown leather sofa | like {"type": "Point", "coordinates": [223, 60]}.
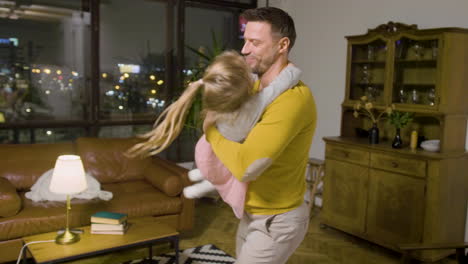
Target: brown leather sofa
{"type": "Point", "coordinates": [140, 187]}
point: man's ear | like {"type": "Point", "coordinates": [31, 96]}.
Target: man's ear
{"type": "Point", "coordinates": [284, 43]}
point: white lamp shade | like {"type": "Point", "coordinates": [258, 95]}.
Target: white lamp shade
{"type": "Point", "coordinates": [68, 176]}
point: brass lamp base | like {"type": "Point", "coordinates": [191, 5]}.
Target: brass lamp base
{"type": "Point", "coordinates": [67, 238]}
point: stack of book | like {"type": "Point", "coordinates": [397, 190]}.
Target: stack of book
{"type": "Point", "coordinates": [109, 223]}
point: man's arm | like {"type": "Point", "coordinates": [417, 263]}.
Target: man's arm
{"type": "Point", "coordinates": [280, 123]}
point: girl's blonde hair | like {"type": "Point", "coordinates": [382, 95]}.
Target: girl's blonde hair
{"type": "Point", "coordinates": [226, 83]}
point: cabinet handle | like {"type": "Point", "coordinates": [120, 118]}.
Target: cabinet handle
{"type": "Point", "coordinates": [346, 154]}
{"type": "Point", "coordinates": [394, 164]}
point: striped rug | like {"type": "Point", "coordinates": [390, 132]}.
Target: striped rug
{"type": "Point", "coordinates": [207, 254]}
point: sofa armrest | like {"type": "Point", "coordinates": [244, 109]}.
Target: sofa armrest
{"type": "Point", "coordinates": [181, 172]}
{"type": "Point", "coordinates": [10, 202]}
{"type": "Point", "coordinates": [187, 216]}
{"type": "Point", "coordinates": [163, 178]}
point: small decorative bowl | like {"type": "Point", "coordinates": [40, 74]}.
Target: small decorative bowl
{"type": "Point", "coordinates": [431, 145]}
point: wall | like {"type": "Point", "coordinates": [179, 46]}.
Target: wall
{"type": "Point", "coordinates": [320, 49]}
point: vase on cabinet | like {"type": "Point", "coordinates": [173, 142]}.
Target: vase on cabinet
{"type": "Point", "coordinates": [397, 142]}
{"type": "Point", "coordinates": [374, 134]}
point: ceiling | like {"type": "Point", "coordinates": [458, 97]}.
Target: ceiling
{"type": "Point", "coordinates": [49, 10]}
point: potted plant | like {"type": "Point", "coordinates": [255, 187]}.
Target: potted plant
{"type": "Point", "coordinates": [205, 57]}
{"type": "Point", "coordinates": [399, 120]}
{"type": "Point", "coordinates": [193, 123]}
{"type": "Point", "coordinates": [366, 108]}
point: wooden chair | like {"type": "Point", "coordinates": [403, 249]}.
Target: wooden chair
{"type": "Point", "coordinates": [459, 248]}
{"type": "Point", "coordinates": [315, 176]}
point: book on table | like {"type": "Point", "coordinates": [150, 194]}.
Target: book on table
{"type": "Point", "coordinates": [104, 217]}
{"type": "Point", "coordinates": [110, 232]}
{"type": "Point", "coordinates": [109, 227]}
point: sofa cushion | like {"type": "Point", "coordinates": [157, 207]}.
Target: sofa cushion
{"type": "Point", "coordinates": [136, 198]}
{"type": "Point", "coordinates": [10, 202]}
{"type": "Point", "coordinates": [23, 164]}
{"type": "Point", "coordinates": [104, 159]}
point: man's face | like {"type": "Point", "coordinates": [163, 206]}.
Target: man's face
{"type": "Point", "coordinates": [261, 47]}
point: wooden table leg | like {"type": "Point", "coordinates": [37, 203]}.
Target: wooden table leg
{"type": "Point", "coordinates": [25, 255]}
{"type": "Point", "coordinates": [461, 257]}
{"type": "Point", "coordinates": [150, 253]}
{"type": "Point", "coordinates": [176, 248]}
{"type": "Point", "coordinates": [405, 257]}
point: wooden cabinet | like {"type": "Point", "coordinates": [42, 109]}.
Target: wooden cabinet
{"type": "Point", "coordinates": [396, 207]}
{"type": "Point", "coordinates": [346, 196]}
{"type": "Point", "coordinates": [393, 196]}
{"type": "Point", "coordinates": [419, 71]}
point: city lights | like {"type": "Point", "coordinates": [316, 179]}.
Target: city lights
{"type": "Point", "coordinates": [110, 93]}
{"type": "Point", "coordinates": [132, 68]}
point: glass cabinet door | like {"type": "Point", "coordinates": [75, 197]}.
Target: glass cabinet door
{"type": "Point", "coordinates": [367, 71]}
{"type": "Point", "coordinates": [415, 72]}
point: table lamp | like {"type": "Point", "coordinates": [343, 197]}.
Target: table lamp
{"type": "Point", "coordinates": [68, 178]}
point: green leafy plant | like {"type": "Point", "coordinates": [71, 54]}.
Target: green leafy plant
{"type": "Point", "coordinates": [400, 119]}
{"type": "Point", "coordinates": [205, 57]}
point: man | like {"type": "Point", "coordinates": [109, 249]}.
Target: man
{"type": "Point", "coordinates": [273, 157]}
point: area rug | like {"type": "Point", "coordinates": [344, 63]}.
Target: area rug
{"type": "Point", "coordinates": [207, 254]}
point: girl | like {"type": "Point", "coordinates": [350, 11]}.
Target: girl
{"type": "Point", "coordinates": [228, 94]}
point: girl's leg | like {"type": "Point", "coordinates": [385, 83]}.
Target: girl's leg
{"type": "Point", "coordinates": [195, 175]}
{"type": "Point", "coordinates": [198, 190]}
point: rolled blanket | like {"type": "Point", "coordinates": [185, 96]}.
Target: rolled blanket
{"type": "Point", "coordinates": [40, 190]}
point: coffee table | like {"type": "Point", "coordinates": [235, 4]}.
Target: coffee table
{"type": "Point", "coordinates": [145, 231]}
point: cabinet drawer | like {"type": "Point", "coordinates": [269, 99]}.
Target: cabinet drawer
{"type": "Point", "coordinates": [401, 165]}
{"type": "Point", "coordinates": [347, 154]}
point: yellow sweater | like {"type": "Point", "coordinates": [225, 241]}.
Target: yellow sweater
{"type": "Point", "coordinates": [281, 138]}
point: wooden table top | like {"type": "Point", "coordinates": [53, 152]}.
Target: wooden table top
{"type": "Point", "coordinates": [141, 231]}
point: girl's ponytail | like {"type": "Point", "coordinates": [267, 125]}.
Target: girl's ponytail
{"type": "Point", "coordinates": [168, 125]}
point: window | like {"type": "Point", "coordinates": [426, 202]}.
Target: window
{"type": "Point", "coordinates": [44, 65]}
{"type": "Point", "coordinates": [208, 30]}
{"type": "Point", "coordinates": [103, 68]}
{"type": "Point", "coordinates": [132, 59]}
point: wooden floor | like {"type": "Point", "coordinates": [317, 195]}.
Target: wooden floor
{"type": "Point", "coordinates": [215, 224]}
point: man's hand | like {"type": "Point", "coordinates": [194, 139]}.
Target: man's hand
{"type": "Point", "coordinates": [210, 119]}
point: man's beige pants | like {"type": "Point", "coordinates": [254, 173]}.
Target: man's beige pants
{"type": "Point", "coordinates": [271, 238]}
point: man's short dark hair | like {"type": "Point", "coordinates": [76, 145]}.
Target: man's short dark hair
{"type": "Point", "coordinates": [280, 21]}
